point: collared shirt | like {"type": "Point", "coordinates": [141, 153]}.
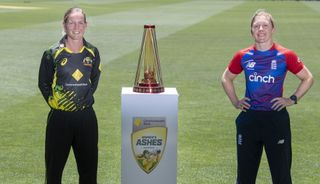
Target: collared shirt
{"type": "Point", "coordinates": [68, 80]}
{"type": "Point", "coordinates": [265, 72]}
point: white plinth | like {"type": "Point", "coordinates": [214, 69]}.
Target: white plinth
{"type": "Point", "coordinates": [160, 111]}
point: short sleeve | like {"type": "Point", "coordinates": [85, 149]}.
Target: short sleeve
{"type": "Point", "coordinates": [235, 64]}
{"type": "Point", "coordinates": [294, 64]}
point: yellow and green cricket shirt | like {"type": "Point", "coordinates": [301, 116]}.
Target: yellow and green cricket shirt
{"type": "Point", "coordinates": [68, 80]}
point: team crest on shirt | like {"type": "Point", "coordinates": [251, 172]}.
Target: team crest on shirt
{"type": "Point", "coordinates": [274, 64]}
{"type": "Point", "coordinates": [87, 61]}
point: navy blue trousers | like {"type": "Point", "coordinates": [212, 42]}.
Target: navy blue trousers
{"type": "Point", "coordinates": [269, 130]}
{"type": "Point", "coordinates": [76, 130]}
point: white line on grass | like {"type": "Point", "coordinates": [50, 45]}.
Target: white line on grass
{"type": "Point", "coordinates": [19, 7]}
{"type": "Point", "coordinates": [121, 33]}
{"type": "Point", "coordinates": [315, 5]}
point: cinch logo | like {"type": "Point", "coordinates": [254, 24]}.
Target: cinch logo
{"type": "Point", "coordinates": [258, 78]}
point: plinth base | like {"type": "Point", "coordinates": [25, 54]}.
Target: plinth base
{"type": "Point", "coordinates": [144, 117]}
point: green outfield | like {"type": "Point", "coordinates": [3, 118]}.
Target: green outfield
{"type": "Point", "coordinates": [196, 40]}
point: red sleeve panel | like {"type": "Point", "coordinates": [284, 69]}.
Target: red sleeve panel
{"type": "Point", "coordinates": [294, 64]}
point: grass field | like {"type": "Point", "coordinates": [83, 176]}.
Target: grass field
{"type": "Point", "coordinates": [196, 40]}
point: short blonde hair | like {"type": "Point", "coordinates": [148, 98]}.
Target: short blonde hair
{"type": "Point", "coordinates": [262, 12]}
{"type": "Point", "coordinates": [71, 10]}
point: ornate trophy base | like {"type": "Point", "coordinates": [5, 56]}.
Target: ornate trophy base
{"type": "Point", "coordinates": [148, 88]}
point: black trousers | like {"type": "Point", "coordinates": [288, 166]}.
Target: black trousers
{"type": "Point", "coordinates": [269, 130]}
{"type": "Point", "coordinates": [78, 130]}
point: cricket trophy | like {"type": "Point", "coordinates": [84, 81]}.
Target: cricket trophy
{"type": "Point", "coordinates": [148, 76]}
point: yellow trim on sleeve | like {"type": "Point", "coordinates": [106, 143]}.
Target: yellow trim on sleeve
{"type": "Point", "coordinates": [58, 52]}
